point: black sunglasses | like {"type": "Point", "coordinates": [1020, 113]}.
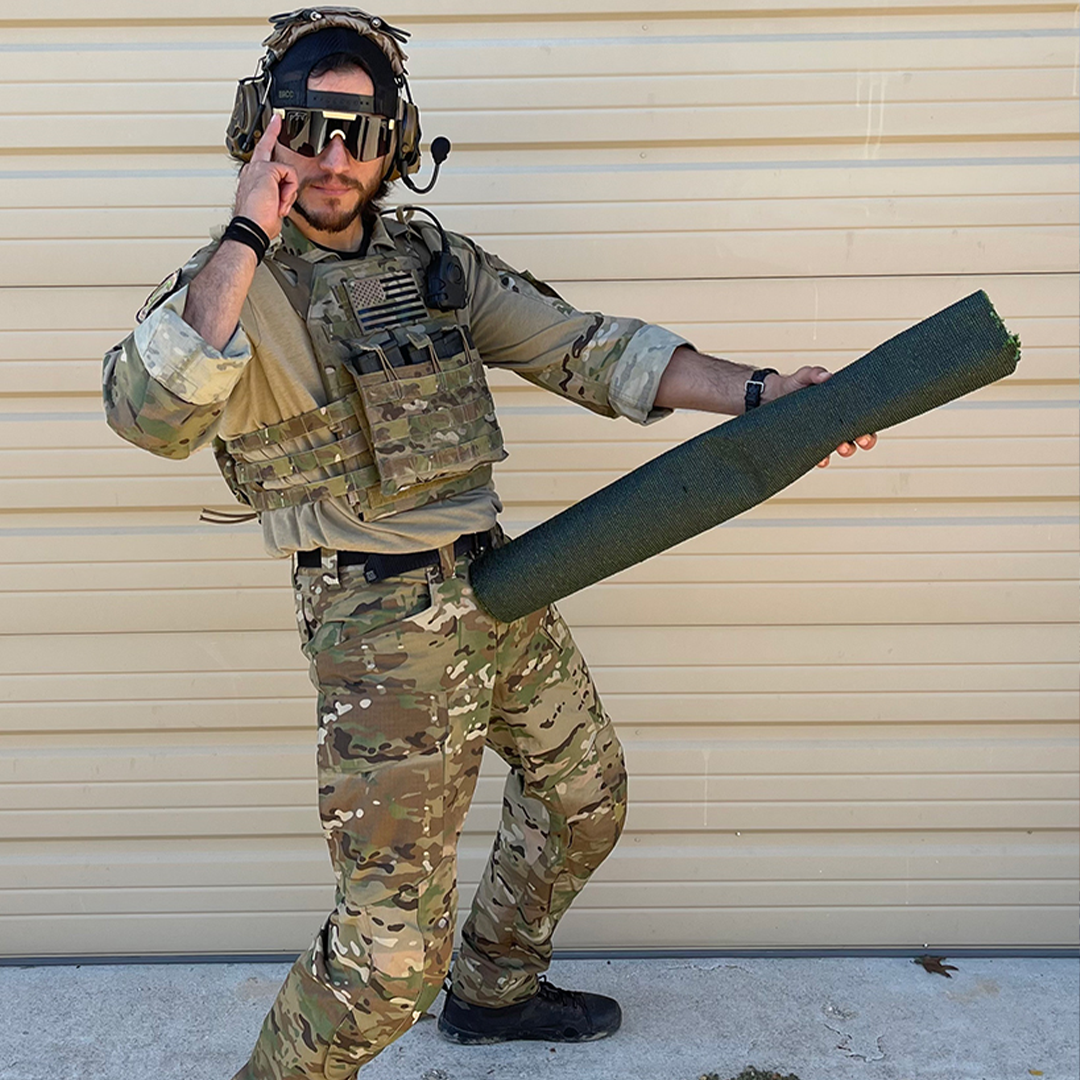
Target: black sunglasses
{"type": "Point", "coordinates": [367, 136]}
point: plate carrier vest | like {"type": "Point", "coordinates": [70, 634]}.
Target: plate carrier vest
{"type": "Point", "coordinates": [409, 417]}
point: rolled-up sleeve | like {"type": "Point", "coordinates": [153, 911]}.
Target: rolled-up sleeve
{"type": "Point", "coordinates": [178, 357]}
{"type": "Point", "coordinates": [165, 387]}
{"type": "Point", "coordinates": [636, 377]}
{"type": "Point", "coordinates": [608, 364]}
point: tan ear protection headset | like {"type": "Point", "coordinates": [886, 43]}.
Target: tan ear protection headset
{"type": "Point", "coordinates": [387, 122]}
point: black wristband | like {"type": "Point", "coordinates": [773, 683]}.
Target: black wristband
{"type": "Point", "coordinates": [245, 231]}
{"type": "Point", "coordinates": [755, 385]}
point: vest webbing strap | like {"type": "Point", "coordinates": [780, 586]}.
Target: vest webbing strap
{"type": "Point", "coordinates": [297, 494]}
{"type": "Point", "coordinates": [336, 416]}
{"type": "Point", "coordinates": [299, 294]}
{"type": "Point", "coordinates": [354, 450]}
{"type": "Point", "coordinates": [361, 488]}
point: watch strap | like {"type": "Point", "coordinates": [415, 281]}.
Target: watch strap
{"type": "Point", "coordinates": [755, 385]}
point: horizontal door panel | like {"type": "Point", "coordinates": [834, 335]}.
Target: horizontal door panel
{"type": "Point", "coordinates": [747, 253]}
{"type": "Point", "coordinates": [677, 604]}
{"type": "Point", "coordinates": [797, 768]}
{"type": "Point", "coordinates": [127, 181]}
{"type": "Point", "coordinates": [741, 646]}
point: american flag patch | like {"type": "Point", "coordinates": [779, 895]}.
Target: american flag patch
{"type": "Point", "coordinates": [383, 301]}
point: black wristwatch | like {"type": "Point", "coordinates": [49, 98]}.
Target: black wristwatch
{"type": "Point", "coordinates": [755, 385]}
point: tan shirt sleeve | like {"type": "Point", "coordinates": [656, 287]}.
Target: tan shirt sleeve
{"type": "Point", "coordinates": [611, 365]}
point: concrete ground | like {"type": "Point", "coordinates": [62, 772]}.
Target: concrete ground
{"type": "Point", "coordinates": [821, 1019]}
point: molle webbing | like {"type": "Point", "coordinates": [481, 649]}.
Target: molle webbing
{"type": "Point", "coordinates": [339, 486]}
{"type": "Point", "coordinates": [338, 416]}
{"type": "Point", "coordinates": [353, 451]}
{"type": "Point", "coordinates": [743, 462]}
{"type": "Point", "coordinates": [354, 474]}
{"type": "Point", "coordinates": [361, 486]}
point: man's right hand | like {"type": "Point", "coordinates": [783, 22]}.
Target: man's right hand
{"type": "Point", "coordinates": [267, 189]}
{"type": "Point", "coordinates": [265, 194]}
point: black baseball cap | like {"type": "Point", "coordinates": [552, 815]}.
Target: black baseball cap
{"type": "Point", "coordinates": [289, 77]}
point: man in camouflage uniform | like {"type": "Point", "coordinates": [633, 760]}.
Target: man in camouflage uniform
{"type": "Point", "coordinates": [382, 501]}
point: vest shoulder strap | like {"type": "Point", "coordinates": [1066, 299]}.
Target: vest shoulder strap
{"type": "Point", "coordinates": [414, 229]}
{"type": "Point", "coordinates": [297, 292]}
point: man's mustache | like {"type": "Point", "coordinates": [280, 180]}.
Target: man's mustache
{"type": "Point", "coordinates": [339, 181]}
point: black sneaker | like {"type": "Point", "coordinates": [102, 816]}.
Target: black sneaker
{"type": "Point", "coordinates": [551, 1015]}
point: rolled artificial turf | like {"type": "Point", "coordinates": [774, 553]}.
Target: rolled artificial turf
{"type": "Point", "coordinates": [743, 462]}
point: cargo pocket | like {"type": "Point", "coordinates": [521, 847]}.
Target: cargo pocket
{"type": "Point", "coordinates": [366, 626]}
{"type": "Point", "coordinates": [381, 761]}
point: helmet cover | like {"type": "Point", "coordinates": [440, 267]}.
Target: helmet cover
{"type": "Point", "coordinates": [292, 26]}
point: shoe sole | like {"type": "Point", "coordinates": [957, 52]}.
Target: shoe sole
{"type": "Point", "coordinates": [468, 1038]}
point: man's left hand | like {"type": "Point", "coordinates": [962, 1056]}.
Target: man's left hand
{"type": "Point", "coordinates": [777, 386]}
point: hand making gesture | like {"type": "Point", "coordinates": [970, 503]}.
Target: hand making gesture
{"type": "Point", "coordinates": [267, 188]}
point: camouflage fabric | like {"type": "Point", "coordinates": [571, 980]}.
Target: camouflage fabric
{"type": "Point", "coordinates": [413, 681]}
{"type": "Point", "coordinates": [155, 381]}
{"type": "Point", "coordinates": [291, 26]}
{"type": "Point", "coordinates": [429, 418]}
{"type": "Point", "coordinates": [610, 365]}
{"type": "Point", "coordinates": [428, 425]}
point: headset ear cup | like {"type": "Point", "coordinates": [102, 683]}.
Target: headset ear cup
{"type": "Point", "coordinates": [246, 123]}
{"type": "Point", "coordinates": [406, 149]}
{"type": "Point", "coordinates": [410, 138]}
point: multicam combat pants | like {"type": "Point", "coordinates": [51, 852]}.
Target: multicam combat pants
{"type": "Point", "coordinates": [414, 680]}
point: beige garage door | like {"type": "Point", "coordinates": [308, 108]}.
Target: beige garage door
{"type": "Point", "coordinates": [850, 715]}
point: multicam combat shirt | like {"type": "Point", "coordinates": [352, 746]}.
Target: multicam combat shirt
{"type": "Point", "coordinates": [168, 391]}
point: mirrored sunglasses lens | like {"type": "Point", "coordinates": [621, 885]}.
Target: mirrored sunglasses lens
{"type": "Point", "coordinates": [296, 132]}
{"type": "Point", "coordinates": [367, 139]}
{"type": "Point", "coordinates": [308, 132]}
{"type": "Point", "coordinates": [360, 135]}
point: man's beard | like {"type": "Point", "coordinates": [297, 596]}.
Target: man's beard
{"type": "Point", "coordinates": [336, 220]}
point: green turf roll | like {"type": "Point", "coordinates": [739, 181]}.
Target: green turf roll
{"type": "Point", "coordinates": [743, 462]}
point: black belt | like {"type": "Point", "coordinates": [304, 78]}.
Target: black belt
{"type": "Point", "coordinates": [377, 567]}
